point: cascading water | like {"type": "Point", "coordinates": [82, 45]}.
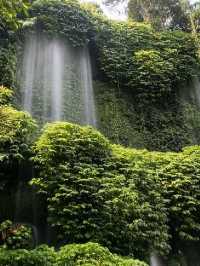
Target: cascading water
{"type": "Point", "coordinates": [86, 83]}
{"type": "Point", "coordinates": [56, 81]}
{"type": "Point", "coordinates": [155, 260]}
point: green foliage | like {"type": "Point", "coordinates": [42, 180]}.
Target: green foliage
{"type": "Point", "coordinates": [16, 128]}
{"type": "Point", "coordinates": [153, 64]}
{"type": "Point", "coordinates": [16, 131]}
{"type": "Point", "coordinates": [154, 70]}
{"type": "Point", "coordinates": [130, 201]}
{"type": "Point", "coordinates": [7, 64]}
{"type": "Point", "coordinates": [92, 254]}
{"type": "Point", "coordinates": [172, 126]}
{"type": "Point", "coordinates": [15, 236]}
{"type": "Point", "coordinates": [9, 11]}
{"type": "Point", "coordinates": [80, 143]}
{"type": "Point", "coordinates": [62, 18]}
{"type": "Point", "coordinates": [41, 256]}
{"type": "Point", "coordinates": [124, 127]}
{"type": "Point", "coordinates": [5, 95]}
{"type": "Point", "coordinates": [90, 190]}
{"type": "Point", "coordinates": [160, 13]}
{"type": "Point", "coordinates": [180, 178]}
{"type": "Point", "coordinates": [89, 254]}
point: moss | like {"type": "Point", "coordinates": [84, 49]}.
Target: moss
{"type": "Point", "coordinates": [170, 126]}
{"type": "Point", "coordinates": [117, 118]}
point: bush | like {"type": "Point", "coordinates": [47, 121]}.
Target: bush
{"type": "Point", "coordinates": [94, 193]}
{"type": "Point", "coordinates": [16, 135]}
{"type": "Point", "coordinates": [71, 143]}
{"type": "Point", "coordinates": [89, 254]}
{"type": "Point", "coordinates": [16, 129]}
{"type": "Point", "coordinates": [149, 64]}
{"type": "Point", "coordinates": [15, 236]}
{"type": "Point", "coordinates": [92, 254]}
{"type": "Point", "coordinates": [181, 182]}
{"type": "Point", "coordinates": [5, 95]}
{"type": "Point", "coordinates": [41, 256]}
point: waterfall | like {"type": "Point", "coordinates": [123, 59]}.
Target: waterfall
{"type": "Point", "coordinates": [57, 73]}
{"type": "Point", "coordinates": [86, 81]}
{"type": "Point", "coordinates": [155, 260]}
{"type": "Point", "coordinates": [56, 81]}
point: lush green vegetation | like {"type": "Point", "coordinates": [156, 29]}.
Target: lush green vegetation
{"type": "Point", "coordinates": [62, 18]}
{"type": "Point", "coordinates": [15, 236]}
{"type": "Point", "coordinates": [74, 255]}
{"type": "Point", "coordinates": [99, 192]}
{"type": "Point", "coordinates": [131, 201]}
{"type": "Point", "coordinates": [9, 13]}
{"type": "Point", "coordinates": [149, 70]}
{"type": "Point", "coordinates": [16, 132]}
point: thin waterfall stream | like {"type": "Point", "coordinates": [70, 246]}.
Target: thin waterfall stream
{"type": "Point", "coordinates": [156, 260]}
{"type": "Point", "coordinates": [56, 81]}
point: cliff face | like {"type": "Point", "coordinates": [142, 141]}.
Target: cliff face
{"type": "Point", "coordinates": [143, 80]}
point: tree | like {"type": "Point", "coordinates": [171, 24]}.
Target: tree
{"type": "Point", "coordinates": [160, 13]}
{"type": "Point", "coordinates": [195, 17]}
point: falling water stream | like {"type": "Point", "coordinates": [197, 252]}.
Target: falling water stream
{"type": "Point", "coordinates": [56, 81]}
{"type": "Point", "coordinates": [155, 260]}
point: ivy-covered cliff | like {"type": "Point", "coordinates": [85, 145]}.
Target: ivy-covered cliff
{"type": "Point", "coordinates": [94, 184]}
{"type": "Point", "coordinates": [140, 75]}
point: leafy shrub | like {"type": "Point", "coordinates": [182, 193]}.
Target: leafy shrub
{"type": "Point", "coordinates": [90, 190]}
{"type": "Point", "coordinates": [181, 180]}
{"type": "Point", "coordinates": [130, 201]}
{"type": "Point", "coordinates": [7, 64]}
{"type": "Point", "coordinates": [150, 64]}
{"type": "Point", "coordinates": [41, 256]}
{"type": "Point", "coordinates": [16, 131]}
{"type": "Point", "coordinates": [15, 236]}
{"type": "Point", "coordinates": [80, 143]}
{"type": "Point", "coordinates": [5, 95]}
{"type": "Point", "coordinates": [73, 255]}
{"type": "Point", "coordinates": [16, 128]}
{"type": "Point", "coordinates": [91, 254]}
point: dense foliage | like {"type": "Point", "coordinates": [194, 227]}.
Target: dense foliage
{"type": "Point", "coordinates": [92, 254]}
{"type": "Point", "coordinates": [150, 69]}
{"type": "Point", "coordinates": [89, 192]}
{"type": "Point", "coordinates": [149, 63]}
{"type": "Point", "coordinates": [16, 129]}
{"type": "Point", "coordinates": [161, 14]}
{"type": "Point", "coordinates": [65, 19]}
{"type": "Point", "coordinates": [9, 11]}
{"type": "Point", "coordinates": [7, 64]}
{"type": "Point", "coordinates": [73, 255]}
{"type": "Point", "coordinates": [172, 126]}
{"type": "Point", "coordinates": [41, 256]}
{"type": "Point", "coordinates": [15, 236]}
{"type": "Point", "coordinates": [131, 201]}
